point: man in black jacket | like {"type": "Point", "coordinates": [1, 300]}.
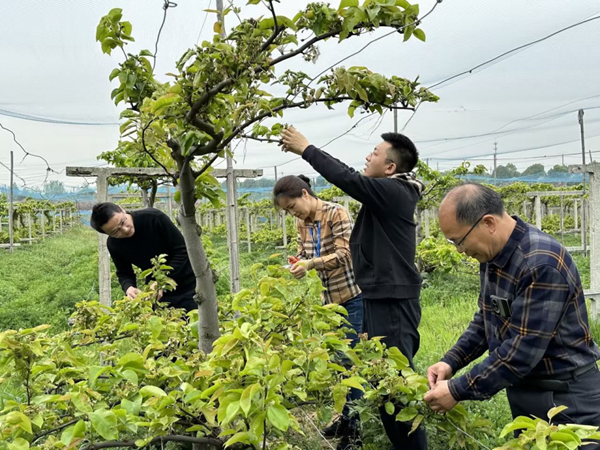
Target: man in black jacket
{"type": "Point", "coordinates": [137, 237]}
{"type": "Point", "coordinates": [383, 246]}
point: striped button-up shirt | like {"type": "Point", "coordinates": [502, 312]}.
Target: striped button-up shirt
{"type": "Point", "coordinates": [547, 332]}
{"type": "Point", "coordinates": [334, 265]}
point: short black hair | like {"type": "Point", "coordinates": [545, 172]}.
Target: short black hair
{"type": "Point", "coordinates": [404, 152]}
{"type": "Point", "coordinates": [102, 213]}
{"type": "Point", "coordinates": [475, 201]}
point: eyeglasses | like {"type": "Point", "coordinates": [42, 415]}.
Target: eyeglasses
{"type": "Point", "coordinates": [117, 231]}
{"type": "Point", "coordinates": [459, 243]}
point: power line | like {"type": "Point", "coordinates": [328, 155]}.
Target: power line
{"type": "Point", "coordinates": [203, 23]}
{"type": "Point", "coordinates": [166, 5]}
{"type": "Point", "coordinates": [537, 41]}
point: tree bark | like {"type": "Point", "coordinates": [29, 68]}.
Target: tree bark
{"type": "Point", "coordinates": [145, 198]}
{"type": "Point", "coordinates": [206, 292]}
{"type": "Point", "coordinates": [153, 191]}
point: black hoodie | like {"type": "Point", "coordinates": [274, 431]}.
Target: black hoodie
{"type": "Point", "coordinates": [383, 242]}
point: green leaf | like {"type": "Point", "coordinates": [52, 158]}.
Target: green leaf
{"type": "Point", "coordinates": [403, 4]}
{"type": "Point", "coordinates": [130, 375]}
{"type": "Point", "coordinates": [346, 3]}
{"type": "Point", "coordinates": [152, 391]}
{"type": "Point", "coordinates": [115, 73]}
{"type": "Point", "coordinates": [556, 410]}
{"type": "Point", "coordinates": [104, 423]}
{"type": "Point", "coordinates": [390, 408]}
{"type": "Point", "coordinates": [18, 444]}
{"type": "Point", "coordinates": [355, 382]}
{"type": "Point", "coordinates": [279, 417]}
{"type": "Point", "coordinates": [95, 372]}
{"type": "Point", "coordinates": [397, 356]}
{"type": "Point", "coordinates": [416, 423]}
{"type": "Point", "coordinates": [18, 418]}
{"type": "Point", "coordinates": [408, 31]}
{"type": "Point", "coordinates": [244, 437]}
{"type": "Point", "coordinates": [419, 34]}
{"type": "Point", "coordinates": [131, 361]}
{"type": "Point", "coordinates": [407, 414]}
{"type": "Point", "coordinates": [247, 395]}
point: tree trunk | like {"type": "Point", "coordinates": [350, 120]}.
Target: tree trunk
{"type": "Point", "coordinates": [153, 191]}
{"type": "Point", "coordinates": [145, 197]}
{"type": "Point", "coordinates": [206, 292]}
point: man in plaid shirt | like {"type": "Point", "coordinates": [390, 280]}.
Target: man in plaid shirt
{"type": "Point", "coordinates": [531, 319]}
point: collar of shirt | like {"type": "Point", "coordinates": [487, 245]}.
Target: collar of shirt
{"type": "Point", "coordinates": [514, 240]}
{"type": "Point", "coordinates": [318, 214]}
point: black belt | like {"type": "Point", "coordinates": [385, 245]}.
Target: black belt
{"type": "Point", "coordinates": [556, 383]}
{"type": "Point", "coordinates": [574, 374]}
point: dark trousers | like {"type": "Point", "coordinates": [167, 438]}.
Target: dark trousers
{"type": "Point", "coordinates": [398, 320]}
{"type": "Point", "coordinates": [582, 397]}
{"type": "Point", "coordinates": [184, 300]}
{"type": "Point", "coordinates": [354, 307]}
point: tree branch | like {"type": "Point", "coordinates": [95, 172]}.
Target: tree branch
{"type": "Point", "coordinates": [208, 148]}
{"type": "Point", "coordinates": [240, 128]}
{"type": "Point", "coordinates": [204, 126]}
{"type": "Point", "coordinates": [203, 100]}
{"type": "Point", "coordinates": [273, 141]}
{"type": "Point", "coordinates": [305, 46]}
{"type": "Point", "coordinates": [277, 30]}
{"type": "Point", "coordinates": [160, 439]}
{"type": "Point", "coordinates": [54, 430]}
{"type": "Point", "coordinates": [148, 152]}
{"type": "Point", "coordinates": [206, 166]}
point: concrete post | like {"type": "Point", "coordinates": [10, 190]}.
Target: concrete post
{"type": "Point", "coordinates": [248, 230]}
{"type": "Point", "coordinates": [594, 228]}
{"type": "Point", "coordinates": [284, 226]}
{"type": "Point", "coordinates": [43, 224]}
{"type": "Point", "coordinates": [103, 256]}
{"type": "Point", "coordinates": [426, 216]}
{"type": "Point", "coordinates": [29, 228]}
{"type": "Point", "coordinates": [575, 213]}
{"type": "Point", "coordinates": [538, 212]}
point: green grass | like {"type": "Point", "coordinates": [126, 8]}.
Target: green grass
{"type": "Point", "coordinates": [41, 283]}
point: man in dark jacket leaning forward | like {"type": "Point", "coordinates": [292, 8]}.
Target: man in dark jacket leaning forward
{"type": "Point", "coordinates": [383, 246]}
{"type": "Point", "coordinates": [137, 237]}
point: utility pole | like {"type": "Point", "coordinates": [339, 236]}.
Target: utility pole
{"type": "Point", "coordinates": [495, 159]}
{"type": "Point", "coordinates": [395, 120]}
{"type": "Point", "coordinates": [275, 167]}
{"type": "Point", "coordinates": [563, 159]}
{"type": "Point", "coordinates": [583, 214]}
{"type": "Point", "coordinates": [232, 230]}
{"type": "Point", "coordinates": [11, 225]}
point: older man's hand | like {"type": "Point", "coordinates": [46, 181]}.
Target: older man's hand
{"type": "Point", "coordinates": [438, 372]}
{"type": "Point", "coordinates": [294, 141]}
{"type": "Point", "coordinates": [439, 398]}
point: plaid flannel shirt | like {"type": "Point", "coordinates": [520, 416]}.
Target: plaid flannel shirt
{"type": "Point", "coordinates": [334, 266]}
{"type": "Point", "coordinates": [547, 332]}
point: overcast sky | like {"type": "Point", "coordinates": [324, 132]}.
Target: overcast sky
{"type": "Point", "coordinates": [52, 69]}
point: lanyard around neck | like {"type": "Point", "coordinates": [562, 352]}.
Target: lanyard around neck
{"type": "Point", "coordinates": [317, 244]}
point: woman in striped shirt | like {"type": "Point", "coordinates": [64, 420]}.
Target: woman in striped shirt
{"type": "Point", "coordinates": [324, 230]}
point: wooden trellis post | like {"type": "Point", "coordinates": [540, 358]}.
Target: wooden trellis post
{"type": "Point", "coordinates": [102, 175]}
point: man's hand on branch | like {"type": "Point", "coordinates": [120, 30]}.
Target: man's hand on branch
{"type": "Point", "coordinates": [132, 292]}
{"type": "Point", "coordinates": [293, 141]}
